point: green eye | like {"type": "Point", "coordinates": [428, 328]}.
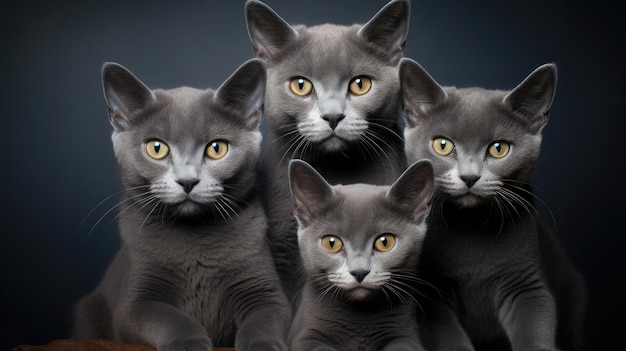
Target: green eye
{"type": "Point", "coordinates": [443, 146]}
{"type": "Point", "coordinates": [499, 149]}
{"type": "Point", "coordinates": [332, 243]}
{"type": "Point", "coordinates": [385, 242]}
{"type": "Point", "coordinates": [216, 149]}
{"type": "Point", "coordinates": [157, 149]}
{"type": "Point", "coordinates": [360, 85]}
{"type": "Point", "coordinates": [301, 86]}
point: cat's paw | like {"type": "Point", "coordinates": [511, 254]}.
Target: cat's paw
{"type": "Point", "coordinates": [194, 344]}
{"type": "Point", "coordinates": [264, 345]}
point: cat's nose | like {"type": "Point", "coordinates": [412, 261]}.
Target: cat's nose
{"type": "Point", "coordinates": [359, 274]}
{"type": "Point", "coordinates": [333, 119]}
{"type": "Point", "coordinates": [188, 183]}
{"type": "Point", "coordinates": [470, 180]}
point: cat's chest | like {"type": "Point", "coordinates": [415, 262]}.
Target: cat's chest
{"type": "Point", "coordinates": [350, 327]}
{"type": "Point", "coordinates": [475, 255]}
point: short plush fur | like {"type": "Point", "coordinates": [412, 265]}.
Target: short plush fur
{"type": "Point", "coordinates": [505, 281]}
{"type": "Point", "coordinates": [333, 101]}
{"type": "Point", "coordinates": [360, 245]}
{"type": "Point", "coordinates": [194, 268]}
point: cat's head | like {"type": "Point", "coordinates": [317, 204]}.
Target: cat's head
{"type": "Point", "coordinates": [361, 240]}
{"type": "Point", "coordinates": [331, 86]}
{"type": "Point", "coordinates": [481, 142]}
{"type": "Point", "coordinates": [186, 152]}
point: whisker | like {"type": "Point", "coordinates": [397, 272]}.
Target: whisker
{"type": "Point", "coordinates": [106, 199]}
{"type": "Point", "coordinates": [131, 198]}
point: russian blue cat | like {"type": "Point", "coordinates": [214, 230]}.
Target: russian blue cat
{"type": "Point", "coordinates": [506, 282]}
{"type": "Point", "coordinates": [332, 100]}
{"type": "Point", "coordinates": [194, 269]}
{"type": "Point", "coordinates": [360, 245]}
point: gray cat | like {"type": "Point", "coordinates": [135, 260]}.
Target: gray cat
{"type": "Point", "coordinates": [506, 281]}
{"type": "Point", "coordinates": [194, 268]}
{"type": "Point", "coordinates": [332, 100]}
{"type": "Point", "coordinates": [360, 246]}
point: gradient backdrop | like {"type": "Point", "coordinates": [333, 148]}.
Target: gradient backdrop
{"type": "Point", "coordinates": [58, 168]}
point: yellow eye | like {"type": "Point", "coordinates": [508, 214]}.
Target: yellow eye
{"type": "Point", "coordinates": [157, 149]}
{"type": "Point", "coordinates": [499, 149]}
{"type": "Point", "coordinates": [216, 149]}
{"type": "Point", "coordinates": [443, 146]}
{"type": "Point", "coordinates": [360, 85]}
{"type": "Point", "coordinates": [332, 244]}
{"type": "Point", "coordinates": [301, 86]}
{"type": "Point", "coordinates": [385, 242]}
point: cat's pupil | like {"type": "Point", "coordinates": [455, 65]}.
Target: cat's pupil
{"type": "Point", "coordinates": [332, 242]}
{"type": "Point", "coordinates": [383, 240]}
{"type": "Point", "coordinates": [301, 84]}
{"type": "Point", "coordinates": [442, 145]}
{"type": "Point", "coordinates": [216, 147]}
{"type": "Point", "coordinates": [498, 147]}
{"type": "Point", "coordinates": [359, 82]}
{"type": "Point", "coordinates": [157, 147]}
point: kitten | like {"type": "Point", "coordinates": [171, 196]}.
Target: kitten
{"type": "Point", "coordinates": [194, 268]}
{"type": "Point", "coordinates": [505, 279]}
{"type": "Point", "coordinates": [360, 245]}
{"type": "Point", "coordinates": [332, 100]}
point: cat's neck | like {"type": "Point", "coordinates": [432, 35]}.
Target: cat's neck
{"type": "Point", "coordinates": [490, 216]}
{"type": "Point", "coordinates": [338, 301]}
{"type": "Point", "coordinates": [380, 163]}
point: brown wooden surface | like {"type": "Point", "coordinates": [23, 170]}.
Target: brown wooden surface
{"type": "Point", "coordinates": [90, 345]}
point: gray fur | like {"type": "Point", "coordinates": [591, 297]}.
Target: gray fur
{"type": "Point", "coordinates": [194, 268]}
{"type": "Point", "coordinates": [365, 145]}
{"type": "Point", "coordinates": [505, 280]}
{"type": "Point", "coordinates": [359, 298]}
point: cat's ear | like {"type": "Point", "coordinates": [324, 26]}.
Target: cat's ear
{"type": "Point", "coordinates": [125, 94]}
{"type": "Point", "coordinates": [309, 190]}
{"type": "Point", "coordinates": [268, 32]}
{"type": "Point", "coordinates": [413, 190]}
{"type": "Point", "coordinates": [244, 91]}
{"type": "Point", "coordinates": [420, 92]}
{"type": "Point", "coordinates": [389, 28]}
{"type": "Point", "coordinates": [533, 97]}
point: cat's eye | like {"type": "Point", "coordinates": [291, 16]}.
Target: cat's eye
{"type": "Point", "coordinates": [499, 149]}
{"type": "Point", "coordinates": [443, 146]}
{"type": "Point", "coordinates": [301, 86]}
{"type": "Point", "coordinates": [332, 243]}
{"type": "Point", "coordinates": [216, 149]}
{"type": "Point", "coordinates": [360, 85]}
{"type": "Point", "coordinates": [157, 149]}
{"type": "Point", "coordinates": [385, 242]}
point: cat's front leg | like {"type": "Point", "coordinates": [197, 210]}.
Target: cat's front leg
{"type": "Point", "coordinates": [311, 345]}
{"type": "Point", "coordinates": [161, 326]}
{"type": "Point", "coordinates": [404, 344]}
{"type": "Point", "coordinates": [442, 330]}
{"type": "Point", "coordinates": [529, 320]}
{"type": "Point", "coordinates": [265, 328]}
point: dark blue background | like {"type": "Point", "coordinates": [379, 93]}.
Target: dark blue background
{"type": "Point", "coordinates": [58, 164]}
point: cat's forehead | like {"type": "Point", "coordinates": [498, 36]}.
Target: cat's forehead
{"type": "Point", "coordinates": [185, 113]}
{"type": "Point", "coordinates": [473, 113]}
{"type": "Point", "coordinates": [330, 50]}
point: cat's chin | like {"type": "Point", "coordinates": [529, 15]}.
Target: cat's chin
{"type": "Point", "coordinates": [468, 200]}
{"type": "Point", "coordinates": [360, 294]}
{"type": "Point", "coordinates": [332, 144]}
{"type": "Point", "coordinates": [187, 208]}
